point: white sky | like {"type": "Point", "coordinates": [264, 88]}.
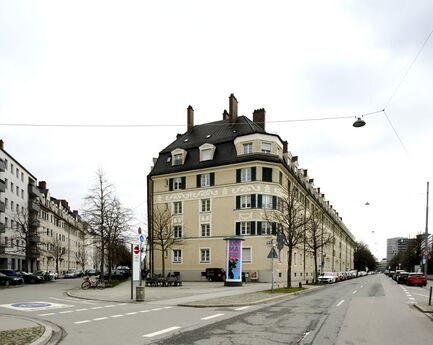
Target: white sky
{"type": "Point", "coordinates": [144, 62]}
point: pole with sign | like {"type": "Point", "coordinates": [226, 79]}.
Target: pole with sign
{"type": "Point", "coordinates": [139, 293]}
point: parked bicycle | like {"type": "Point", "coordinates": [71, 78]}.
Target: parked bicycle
{"type": "Point", "coordinates": [92, 284]}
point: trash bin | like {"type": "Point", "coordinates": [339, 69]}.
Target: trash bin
{"type": "Point", "coordinates": [139, 293]}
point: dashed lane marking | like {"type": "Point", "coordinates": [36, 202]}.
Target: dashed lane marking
{"type": "Point", "coordinates": [101, 318]}
{"type": "Point", "coordinates": [66, 312]}
{"type": "Point", "coordinates": [118, 315]}
{"type": "Point", "coordinates": [354, 292]}
{"type": "Point", "coordinates": [243, 308]}
{"type": "Point", "coordinates": [84, 321]}
{"type": "Point", "coordinates": [95, 308]}
{"type": "Point", "coordinates": [211, 316]}
{"type": "Point", "coordinates": [82, 309]}
{"type": "Point", "coordinates": [170, 329]}
{"type": "Point", "coordinates": [47, 314]}
{"type": "Point", "coordinates": [132, 313]}
{"type": "Point", "coordinates": [340, 303]}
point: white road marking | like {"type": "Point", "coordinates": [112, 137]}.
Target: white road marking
{"type": "Point", "coordinates": [362, 286]}
{"type": "Point", "coordinates": [132, 313]}
{"type": "Point", "coordinates": [340, 303]}
{"type": "Point", "coordinates": [144, 311]}
{"type": "Point", "coordinates": [167, 307]}
{"type": "Point", "coordinates": [156, 309]}
{"type": "Point", "coordinates": [243, 308]}
{"type": "Point", "coordinates": [118, 315]}
{"type": "Point", "coordinates": [47, 314]}
{"type": "Point", "coordinates": [94, 308]}
{"type": "Point", "coordinates": [303, 337]}
{"type": "Point", "coordinates": [71, 299]}
{"type": "Point", "coordinates": [66, 311]}
{"type": "Point", "coordinates": [354, 292]}
{"type": "Point", "coordinates": [161, 332]}
{"type": "Point", "coordinates": [82, 309]}
{"type": "Point", "coordinates": [101, 318]}
{"type": "Point", "coordinates": [84, 321]}
{"type": "Point", "coordinates": [418, 294]}
{"type": "Point", "coordinates": [109, 306]}
{"type": "Point", "coordinates": [211, 317]}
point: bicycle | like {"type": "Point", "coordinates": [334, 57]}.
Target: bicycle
{"type": "Point", "coordinates": [92, 284]}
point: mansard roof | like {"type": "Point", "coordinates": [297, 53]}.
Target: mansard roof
{"type": "Point", "coordinates": [219, 133]}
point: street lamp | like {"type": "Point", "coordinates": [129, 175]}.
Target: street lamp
{"type": "Point", "coordinates": [359, 123]}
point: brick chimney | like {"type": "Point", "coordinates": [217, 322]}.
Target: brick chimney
{"type": "Point", "coordinates": [178, 135]}
{"type": "Point", "coordinates": [233, 108]}
{"type": "Point", "coordinates": [285, 146]}
{"type": "Point", "coordinates": [225, 115]}
{"type": "Point", "coordinates": [42, 185]}
{"type": "Point", "coordinates": [259, 116]}
{"type": "Point", "coordinates": [190, 120]}
{"type": "Point", "coordinates": [2, 144]}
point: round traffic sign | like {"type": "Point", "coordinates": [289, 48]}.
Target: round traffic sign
{"type": "Point", "coordinates": [136, 250]}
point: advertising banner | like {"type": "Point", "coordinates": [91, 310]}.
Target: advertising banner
{"type": "Point", "coordinates": [234, 261]}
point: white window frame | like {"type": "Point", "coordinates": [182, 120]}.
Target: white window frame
{"type": "Point", "coordinates": [176, 230]}
{"type": "Point", "coordinates": [207, 257]}
{"type": "Point", "coordinates": [205, 180]}
{"type": "Point", "coordinates": [244, 257]}
{"type": "Point", "coordinates": [206, 154]}
{"type": "Point", "coordinates": [247, 148]}
{"type": "Point", "coordinates": [177, 183]}
{"type": "Point", "coordinates": [205, 205]}
{"type": "Point", "coordinates": [176, 256]}
{"type": "Point", "coordinates": [205, 230]}
{"type": "Point", "coordinates": [177, 207]}
{"type": "Point", "coordinates": [267, 201]}
{"type": "Point", "coordinates": [245, 228]}
{"type": "Point", "coordinates": [266, 147]}
{"type": "Point", "coordinates": [266, 228]}
{"type": "Point", "coordinates": [245, 201]}
{"type": "Point", "coordinates": [177, 159]}
{"type": "Point", "coordinates": [246, 175]}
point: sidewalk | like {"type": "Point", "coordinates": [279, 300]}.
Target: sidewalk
{"type": "Point", "coordinates": [20, 330]}
{"type": "Point", "coordinates": [194, 294]}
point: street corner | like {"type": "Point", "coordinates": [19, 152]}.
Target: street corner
{"type": "Point", "coordinates": [22, 330]}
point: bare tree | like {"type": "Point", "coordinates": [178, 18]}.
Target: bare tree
{"type": "Point", "coordinates": [118, 221]}
{"type": "Point", "coordinates": [98, 202]}
{"type": "Point", "coordinates": [81, 255]}
{"type": "Point", "coordinates": [163, 236]}
{"type": "Point", "coordinates": [290, 216]}
{"type": "Point", "coordinates": [25, 238]}
{"type": "Point", "coordinates": [56, 250]}
{"type": "Point", "coordinates": [316, 237]}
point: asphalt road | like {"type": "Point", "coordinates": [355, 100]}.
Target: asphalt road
{"type": "Point", "coordinates": [368, 310]}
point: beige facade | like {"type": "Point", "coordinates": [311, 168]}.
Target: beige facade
{"type": "Point", "coordinates": [222, 199]}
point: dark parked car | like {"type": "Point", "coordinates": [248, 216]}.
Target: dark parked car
{"type": "Point", "coordinates": [30, 278]}
{"type": "Point", "coordinates": [73, 274]}
{"type": "Point", "coordinates": [10, 279]}
{"type": "Point", "coordinates": [215, 274]}
{"type": "Point", "coordinates": [402, 277]}
{"type": "Point", "coordinates": [92, 272]}
{"type": "Point", "coordinates": [117, 275]}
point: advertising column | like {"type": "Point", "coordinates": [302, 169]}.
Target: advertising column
{"type": "Point", "coordinates": [233, 261]}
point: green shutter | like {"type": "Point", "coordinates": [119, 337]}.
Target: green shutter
{"type": "Point", "coordinates": [259, 201]}
{"type": "Point", "coordinates": [238, 202]}
{"type": "Point", "coordinates": [183, 179]}
{"type": "Point", "coordinates": [198, 180]}
{"type": "Point", "coordinates": [212, 179]}
{"type": "Point", "coordinates": [238, 228]}
{"type": "Point", "coordinates": [253, 173]}
{"type": "Point", "coordinates": [170, 184]}
{"type": "Point", "coordinates": [274, 202]}
{"type": "Point", "coordinates": [253, 228]}
{"type": "Point", "coordinates": [259, 228]}
{"type": "Point", "coordinates": [253, 201]}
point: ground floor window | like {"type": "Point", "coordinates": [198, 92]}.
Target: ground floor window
{"type": "Point", "coordinates": [177, 256]}
{"type": "Point", "coordinates": [246, 255]}
{"type": "Point", "coordinates": [205, 255]}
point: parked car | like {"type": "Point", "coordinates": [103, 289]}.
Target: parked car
{"type": "Point", "coordinates": [9, 277]}
{"type": "Point", "coordinates": [327, 277]}
{"type": "Point", "coordinates": [46, 275]}
{"type": "Point", "coordinates": [73, 274]}
{"type": "Point", "coordinates": [396, 273]}
{"type": "Point", "coordinates": [125, 269]}
{"type": "Point", "coordinates": [215, 274]}
{"type": "Point", "coordinates": [92, 272]}
{"type": "Point", "coordinates": [30, 278]}
{"type": "Point", "coordinates": [402, 277]}
{"type": "Point", "coordinates": [117, 274]}
{"type": "Point", "coordinates": [416, 279]}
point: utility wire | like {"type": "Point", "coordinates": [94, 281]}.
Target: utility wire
{"type": "Point", "coordinates": [173, 125]}
{"type": "Point", "coordinates": [396, 134]}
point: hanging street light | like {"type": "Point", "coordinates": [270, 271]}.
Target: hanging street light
{"type": "Point", "coordinates": [359, 123]}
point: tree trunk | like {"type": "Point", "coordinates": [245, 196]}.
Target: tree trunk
{"type": "Point", "coordinates": [316, 276]}
{"type": "Point", "coordinates": [163, 262]}
{"type": "Point", "coordinates": [289, 268]}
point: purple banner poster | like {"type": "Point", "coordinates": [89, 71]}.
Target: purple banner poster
{"type": "Point", "coordinates": [234, 260]}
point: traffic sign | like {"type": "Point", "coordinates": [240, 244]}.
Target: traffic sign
{"type": "Point", "coordinates": [139, 230]}
{"type": "Point", "coordinates": [141, 237]}
{"type": "Point", "coordinates": [136, 250]}
{"type": "Point", "coordinates": [273, 254]}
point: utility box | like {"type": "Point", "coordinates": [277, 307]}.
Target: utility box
{"type": "Point", "coordinates": [139, 293]}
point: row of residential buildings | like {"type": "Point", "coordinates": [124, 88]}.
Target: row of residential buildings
{"type": "Point", "coordinates": [219, 179]}
{"type": "Point", "coordinates": [38, 231]}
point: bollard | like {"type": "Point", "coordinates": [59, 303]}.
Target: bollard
{"type": "Point", "coordinates": [139, 293]}
{"type": "Point", "coordinates": [300, 284]}
{"type": "Point", "coordinates": [429, 299]}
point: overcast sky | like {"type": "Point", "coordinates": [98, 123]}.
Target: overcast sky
{"type": "Point", "coordinates": [144, 62]}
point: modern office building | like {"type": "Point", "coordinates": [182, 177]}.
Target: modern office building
{"type": "Point", "coordinates": [220, 179]}
{"type": "Point", "coordinates": [397, 245]}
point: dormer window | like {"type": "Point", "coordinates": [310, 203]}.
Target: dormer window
{"type": "Point", "coordinates": [207, 152]}
{"type": "Point", "coordinates": [266, 147]}
{"type": "Point", "coordinates": [178, 157]}
{"type": "Point", "coordinates": [247, 148]}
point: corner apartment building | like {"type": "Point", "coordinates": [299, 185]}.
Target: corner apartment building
{"type": "Point", "coordinates": [47, 222]}
{"type": "Point", "coordinates": [218, 179]}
